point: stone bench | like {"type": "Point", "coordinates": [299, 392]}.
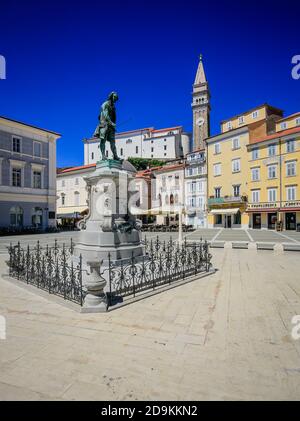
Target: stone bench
{"type": "Point", "coordinates": [239, 245]}
{"type": "Point", "coordinates": [265, 246]}
{"type": "Point", "coordinates": [291, 247]}
{"type": "Point", "coordinates": [217, 244]}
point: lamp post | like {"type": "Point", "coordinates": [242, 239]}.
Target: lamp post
{"type": "Point", "coordinates": [180, 236]}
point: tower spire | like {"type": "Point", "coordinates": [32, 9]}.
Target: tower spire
{"type": "Point", "coordinates": [200, 76]}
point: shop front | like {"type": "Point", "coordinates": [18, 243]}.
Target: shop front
{"type": "Point", "coordinates": [266, 219]}
{"type": "Point", "coordinates": [226, 218]}
{"type": "Point", "coordinates": [271, 215]}
{"type": "Point", "coordinates": [290, 215]}
{"type": "Point", "coordinates": [227, 212]}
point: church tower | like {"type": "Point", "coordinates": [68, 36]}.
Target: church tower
{"type": "Point", "coordinates": [201, 108]}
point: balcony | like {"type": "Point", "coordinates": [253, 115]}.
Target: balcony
{"type": "Point", "coordinates": [169, 189]}
{"type": "Point", "coordinates": [226, 200]}
{"type": "Point", "coordinates": [196, 174]}
{"type": "Point", "coordinates": [196, 160]}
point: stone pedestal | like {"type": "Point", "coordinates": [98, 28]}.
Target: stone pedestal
{"type": "Point", "coordinates": [109, 231]}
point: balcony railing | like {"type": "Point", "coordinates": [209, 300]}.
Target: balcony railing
{"type": "Point", "coordinates": [196, 160]}
{"type": "Point", "coordinates": [169, 189]}
{"type": "Point", "coordinates": [227, 199]}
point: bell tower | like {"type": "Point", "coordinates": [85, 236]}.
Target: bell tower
{"type": "Point", "coordinates": [201, 108]}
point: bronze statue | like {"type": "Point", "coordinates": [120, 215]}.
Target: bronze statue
{"type": "Point", "coordinates": [106, 130]}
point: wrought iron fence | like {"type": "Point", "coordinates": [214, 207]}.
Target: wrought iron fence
{"type": "Point", "coordinates": [53, 270]}
{"type": "Point", "coordinates": [163, 263]}
{"type": "Point", "coordinates": [48, 268]}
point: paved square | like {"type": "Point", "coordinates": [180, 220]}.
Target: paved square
{"type": "Point", "coordinates": [227, 336]}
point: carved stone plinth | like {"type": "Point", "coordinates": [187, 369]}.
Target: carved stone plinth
{"type": "Point", "coordinates": [95, 299]}
{"type": "Point", "coordinates": [109, 231]}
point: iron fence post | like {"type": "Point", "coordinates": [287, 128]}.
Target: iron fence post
{"type": "Point", "coordinates": [109, 301]}
{"type": "Point", "coordinates": [133, 272]}
{"type": "Point", "coordinates": [80, 280]}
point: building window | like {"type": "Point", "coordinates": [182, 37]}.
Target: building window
{"type": "Point", "coordinates": [237, 219]}
{"type": "Point", "coordinates": [236, 143]}
{"type": "Point", "coordinates": [272, 195]}
{"type": "Point", "coordinates": [217, 148]}
{"type": "Point", "coordinates": [290, 146]}
{"type": "Point", "coordinates": [17, 177]}
{"type": "Point", "coordinates": [63, 183]}
{"type": "Point", "coordinates": [272, 171]}
{"type": "Point", "coordinates": [201, 203]}
{"type": "Point", "coordinates": [165, 147]}
{"type": "Point", "coordinates": [255, 114]}
{"type": "Point", "coordinates": [136, 149]}
{"type": "Point", "coordinates": [272, 150]}
{"type": "Point", "coordinates": [236, 165]}
{"type": "Point", "coordinates": [291, 193]}
{"type": "Point", "coordinates": [152, 149]}
{"type": "Point", "coordinates": [229, 125]}
{"type": "Point", "coordinates": [16, 216]}
{"type": "Point", "coordinates": [217, 192]}
{"type": "Point", "coordinates": [176, 180]}
{"type": "Point", "coordinates": [129, 141]}
{"type": "Point", "coordinates": [291, 169]}
{"type": "Point", "coordinates": [37, 149]}
{"type": "Point", "coordinates": [121, 151]}
{"type": "Point", "coordinates": [255, 174]}
{"type": "Point", "coordinates": [217, 169]}
{"type": "Point", "coordinates": [16, 144]}
{"type": "Point", "coordinates": [164, 181]}
{"type": "Point", "coordinates": [283, 126]}
{"type": "Point", "coordinates": [76, 198]}
{"type": "Point", "coordinates": [37, 180]}
{"type": "Point", "coordinates": [76, 181]}
{"type": "Point", "coordinates": [37, 217]}
{"type": "Point", "coordinates": [241, 120]}
{"type": "Point", "coordinates": [63, 199]}
{"type": "Point", "coordinates": [255, 153]}
{"type": "Point", "coordinates": [218, 219]}
{"type": "Point", "coordinates": [298, 121]}
{"type": "Point", "coordinates": [92, 155]}
{"type": "Point", "coordinates": [200, 187]}
{"type": "Point", "coordinates": [236, 191]}
{"type": "Point", "coordinates": [255, 196]}
{"type": "Point", "coordinates": [159, 200]}
{"type": "Point", "coordinates": [106, 154]}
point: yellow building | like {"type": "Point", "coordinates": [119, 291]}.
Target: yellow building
{"type": "Point", "coordinates": [228, 165]}
{"type": "Point", "coordinates": [274, 184]}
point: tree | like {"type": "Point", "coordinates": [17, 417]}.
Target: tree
{"type": "Point", "coordinates": [142, 163]}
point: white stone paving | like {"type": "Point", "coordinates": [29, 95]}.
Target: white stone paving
{"type": "Point", "coordinates": [227, 336]}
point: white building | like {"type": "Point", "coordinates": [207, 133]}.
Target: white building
{"type": "Point", "coordinates": [168, 193]}
{"type": "Point", "coordinates": [72, 193]}
{"type": "Point", "coordinates": [170, 143]}
{"type": "Point", "coordinates": [196, 189]}
{"type": "Point", "coordinates": [27, 175]}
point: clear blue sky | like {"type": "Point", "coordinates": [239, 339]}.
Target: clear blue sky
{"type": "Point", "coordinates": [64, 57]}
